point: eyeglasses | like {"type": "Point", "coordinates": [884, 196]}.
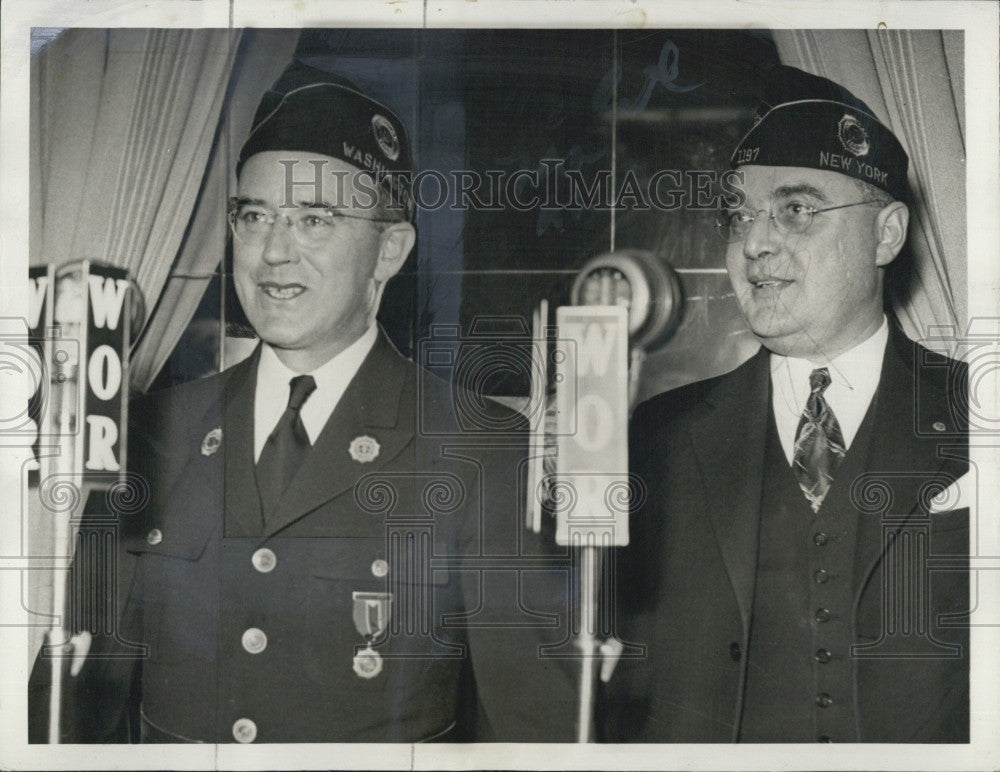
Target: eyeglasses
{"type": "Point", "coordinates": [790, 216]}
{"type": "Point", "coordinates": [310, 225]}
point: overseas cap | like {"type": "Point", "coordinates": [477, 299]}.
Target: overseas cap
{"type": "Point", "coordinates": [313, 111]}
{"type": "Point", "coordinates": [806, 120]}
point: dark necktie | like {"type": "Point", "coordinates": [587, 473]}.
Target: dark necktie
{"type": "Point", "coordinates": [819, 444]}
{"type": "Point", "coordinates": [285, 448]}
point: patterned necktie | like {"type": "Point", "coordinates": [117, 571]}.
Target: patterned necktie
{"type": "Point", "coordinates": [819, 444]}
{"type": "Point", "coordinates": [285, 448]}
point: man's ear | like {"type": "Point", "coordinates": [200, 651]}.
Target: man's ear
{"type": "Point", "coordinates": [890, 230]}
{"type": "Point", "coordinates": [395, 244]}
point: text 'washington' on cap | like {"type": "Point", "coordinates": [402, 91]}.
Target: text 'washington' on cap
{"type": "Point", "coordinates": [312, 111]}
{"type": "Point", "coordinates": [807, 120]}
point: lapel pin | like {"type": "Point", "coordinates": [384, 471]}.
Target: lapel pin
{"type": "Point", "coordinates": [364, 449]}
{"type": "Point", "coordinates": [211, 442]}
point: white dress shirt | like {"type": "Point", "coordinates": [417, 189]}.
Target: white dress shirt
{"type": "Point", "coordinates": [854, 377]}
{"type": "Point", "coordinates": [332, 379]}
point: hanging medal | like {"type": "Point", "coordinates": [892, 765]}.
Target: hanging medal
{"type": "Point", "coordinates": [371, 619]}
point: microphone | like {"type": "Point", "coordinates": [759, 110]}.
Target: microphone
{"type": "Point", "coordinates": [621, 299]}
{"type": "Point", "coordinates": [83, 317]}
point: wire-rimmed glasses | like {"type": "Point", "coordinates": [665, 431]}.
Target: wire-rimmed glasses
{"type": "Point", "coordinates": [790, 216]}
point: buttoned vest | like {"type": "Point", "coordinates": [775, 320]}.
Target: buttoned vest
{"type": "Point", "coordinates": [801, 680]}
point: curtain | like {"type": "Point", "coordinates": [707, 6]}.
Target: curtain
{"type": "Point", "coordinates": [122, 128]}
{"type": "Point", "coordinates": [262, 56]}
{"type": "Point", "coordinates": [914, 81]}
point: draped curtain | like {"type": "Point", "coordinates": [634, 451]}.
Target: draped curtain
{"type": "Point", "coordinates": [262, 56]}
{"type": "Point", "coordinates": [122, 126]}
{"type": "Point", "coordinates": [914, 81]}
{"type": "Point", "coordinates": [131, 158]}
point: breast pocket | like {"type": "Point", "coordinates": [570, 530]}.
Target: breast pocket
{"type": "Point", "coordinates": [378, 602]}
{"type": "Point", "coordinates": [176, 593]}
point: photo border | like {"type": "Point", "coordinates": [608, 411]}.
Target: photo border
{"type": "Point", "coordinates": [979, 20]}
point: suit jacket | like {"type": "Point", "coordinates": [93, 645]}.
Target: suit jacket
{"type": "Point", "coordinates": [685, 585]}
{"type": "Point", "coordinates": [383, 601]}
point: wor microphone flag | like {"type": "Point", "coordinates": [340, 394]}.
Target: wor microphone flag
{"type": "Point", "coordinates": [81, 320]}
{"type": "Point", "coordinates": [591, 492]}
{"type": "Point", "coordinates": [82, 313]}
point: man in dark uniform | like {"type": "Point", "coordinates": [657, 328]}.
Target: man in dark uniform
{"type": "Point", "coordinates": [792, 575]}
{"type": "Point", "coordinates": [329, 552]}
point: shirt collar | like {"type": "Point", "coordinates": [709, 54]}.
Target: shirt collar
{"type": "Point", "coordinates": [332, 379]}
{"type": "Point", "coordinates": [854, 378]}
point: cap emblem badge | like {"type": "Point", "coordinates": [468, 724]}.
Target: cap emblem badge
{"type": "Point", "coordinates": [852, 135]}
{"type": "Point", "coordinates": [385, 135]}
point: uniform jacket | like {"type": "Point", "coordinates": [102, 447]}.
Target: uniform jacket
{"type": "Point", "coordinates": [685, 585]}
{"type": "Point", "coordinates": [403, 500]}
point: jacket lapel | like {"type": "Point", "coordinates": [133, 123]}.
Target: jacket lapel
{"type": "Point", "coordinates": [242, 506]}
{"type": "Point", "coordinates": [728, 443]}
{"type": "Point", "coordinates": [904, 456]}
{"type": "Point", "coordinates": [373, 406]}
{"type": "Point", "coordinates": [192, 458]}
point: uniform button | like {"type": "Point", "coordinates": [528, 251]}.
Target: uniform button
{"type": "Point", "coordinates": [822, 656]}
{"type": "Point", "coordinates": [154, 537]}
{"type": "Point", "coordinates": [822, 615]}
{"type": "Point", "coordinates": [820, 539]}
{"type": "Point", "coordinates": [244, 730]}
{"type": "Point", "coordinates": [380, 568]}
{"type": "Point", "coordinates": [264, 560]}
{"type": "Point", "coordinates": [735, 651]}
{"type": "Point", "coordinates": [824, 700]}
{"type": "Point", "coordinates": [254, 640]}
{"type": "Point", "coordinates": [821, 576]}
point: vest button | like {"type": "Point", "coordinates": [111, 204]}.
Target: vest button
{"type": "Point", "coordinates": [244, 730]}
{"type": "Point", "coordinates": [821, 576]}
{"type": "Point", "coordinates": [264, 560]}
{"type": "Point", "coordinates": [154, 537]}
{"type": "Point", "coordinates": [254, 640]}
{"type": "Point", "coordinates": [822, 615]}
{"type": "Point", "coordinates": [735, 651]}
{"type": "Point", "coordinates": [824, 700]}
{"type": "Point", "coordinates": [820, 539]}
{"type": "Point", "coordinates": [822, 656]}
{"type": "Point", "coordinates": [380, 568]}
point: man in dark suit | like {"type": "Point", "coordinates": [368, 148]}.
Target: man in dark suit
{"type": "Point", "coordinates": [791, 574]}
{"type": "Point", "coordinates": [329, 550]}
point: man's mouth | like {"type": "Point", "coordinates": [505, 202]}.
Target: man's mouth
{"type": "Point", "coordinates": [769, 283]}
{"type": "Point", "coordinates": [281, 291]}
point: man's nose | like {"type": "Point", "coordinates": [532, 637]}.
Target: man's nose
{"type": "Point", "coordinates": [280, 244]}
{"type": "Point", "coordinates": [763, 239]}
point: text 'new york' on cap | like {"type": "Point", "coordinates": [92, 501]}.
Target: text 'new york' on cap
{"type": "Point", "coordinates": [313, 111]}
{"type": "Point", "coordinates": [807, 120]}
